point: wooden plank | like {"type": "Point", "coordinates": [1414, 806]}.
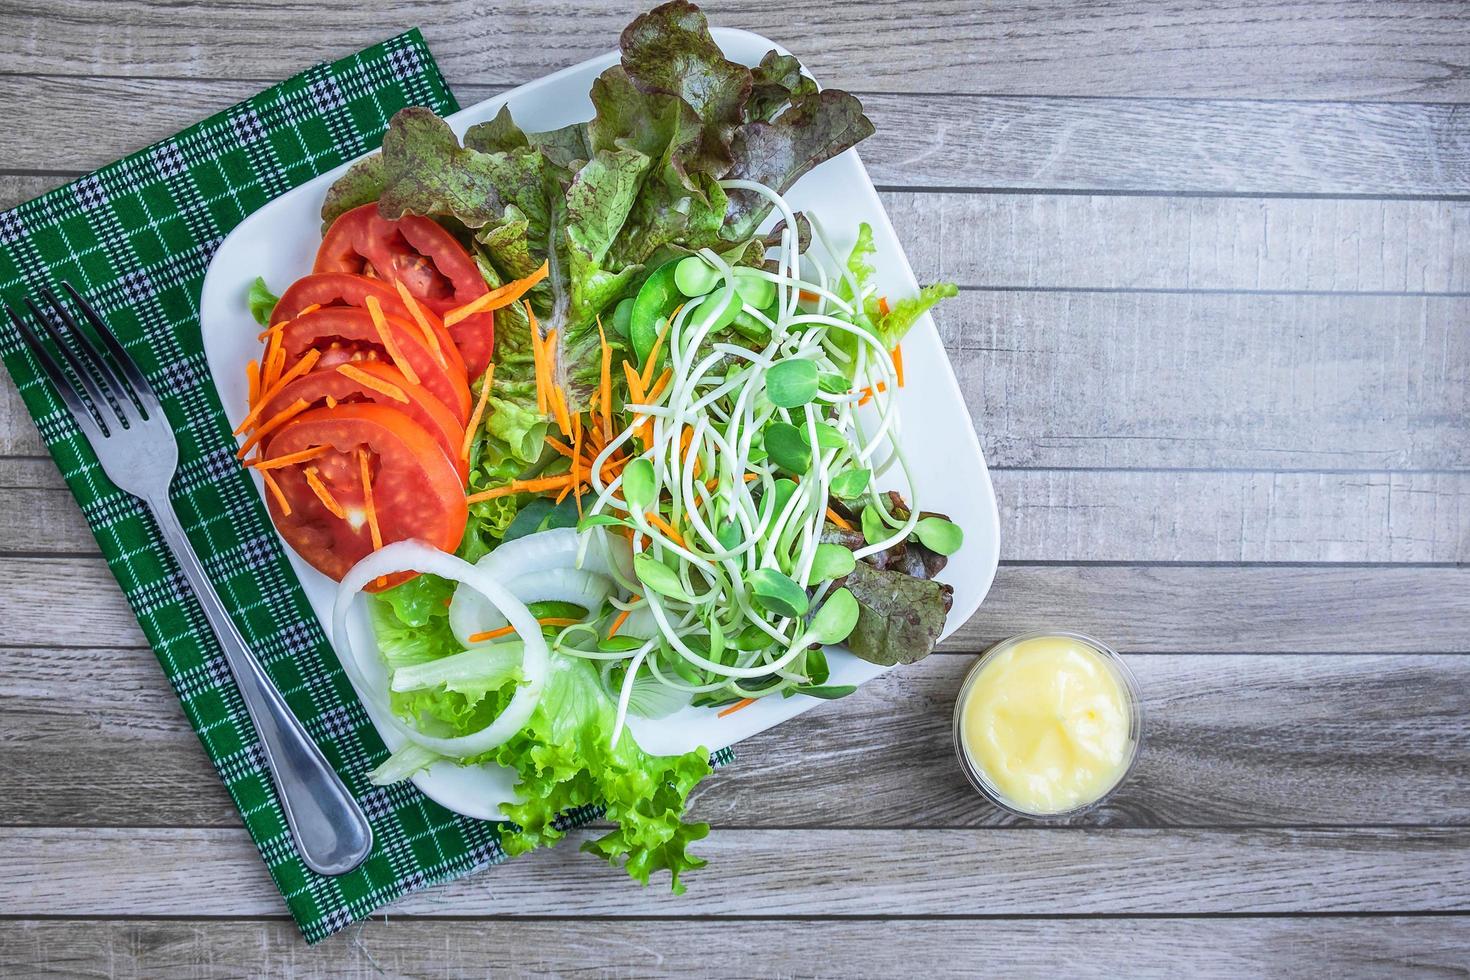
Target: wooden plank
{"type": "Point", "coordinates": [396, 946]}
{"type": "Point", "coordinates": [75, 602]}
{"type": "Point", "coordinates": [217, 873]}
{"type": "Point", "coordinates": [990, 142]}
{"type": "Point", "coordinates": [1316, 51]}
{"type": "Point", "coordinates": [1065, 515]}
{"type": "Point", "coordinates": [1032, 241]}
{"type": "Point", "coordinates": [1213, 380]}
{"type": "Point", "coordinates": [1162, 381]}
{"type": "Point", "coordinates": [122, 754]}
{"type": "Point", "coordinates": [1124, 242]}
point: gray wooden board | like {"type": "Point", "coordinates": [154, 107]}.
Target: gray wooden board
{"type": "Point", "coordinates": [154, 949]}
{"type": "Point", "coordinates": [1216, 261]}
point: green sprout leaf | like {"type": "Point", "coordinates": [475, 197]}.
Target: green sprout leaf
{"type": "Point", "coordinates": [639, 488]}
{"type": "Point", "coordinates": [937, 534]}
{"type": "Point", "coordinates": [786, 448]}
{"type": "Point", "coordinates": [660, 578]}
{"type": "Point", "coordinates": [874, 530]}
{"type": "Point", "coordinates": [835, 620]}
{"type": "Point", "coordinates": [776, 592]}
{"type": "Point", "coordinates": [850, 485]}
{"type": "Point", "coordinates": [791, 383]}
{"type": "Point", "coordinates": [830, 561]}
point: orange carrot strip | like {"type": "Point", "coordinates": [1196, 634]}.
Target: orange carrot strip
{"type": "Point", "coordinates": [367, 495]}
{"type": "Point", "coordinates": [658, 344]}
{"type": "Point", "coordinates": [308, 360]}
{"type": "Point", "coordinates": [577, 461]}
{"type": "Point", "coordinates": [252, 381]}
{"type": "Point", "coordinates": [290, 459]}
{"type": "Point", "coordinates": [498, 297]}
{"type": "Point", "coordinates": [348, 370]}
{"type": "Point", "coordinates": [897, 355]}
{"type": "Point", "coordinates": [521, 486]}
{"type": "Point", "coordinates": [479, 412]}
{"type": "Point", "coordinates": [271, 330]}
{"type": "Point", "coordinates": [659, 386]}
{"type": "Point", "coordinates": [605, 390]}
{"type": "Point", "coordinates": [808, 295]}
{"type": "Point", "coordinates": [559, 446]}
{"type": "Point", "coordinates": [736, 707]}
{"type": "Point", "coordinates": [275, 489]}
{"type": "Point", "coordinates": [665, 527]}
{"type": "Point", "coordinates": [271, 424]}
{"type": "Point", "coordinates": [490, 634]}
{"type": "Point", "coordinates": [331, 402]}
{"type": "Point", "coordinates": [323, 494]}
{"type": "Point", "coordinates": [538, 359]}
{"type": "Point", "coordinates": [268, 361]}
{"type": "Point", "coordinates": [431, 336]}
{"type": "Point", "coordinates": [375, 310]}
{"type": "Point", "coordinates": [635, 383]}
{"type": "Point", "coordinates": [838, 519]}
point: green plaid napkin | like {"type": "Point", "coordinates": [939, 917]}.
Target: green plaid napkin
{"type": "Point", "coordinates": [136, 237]}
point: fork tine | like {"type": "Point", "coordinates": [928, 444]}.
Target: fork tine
{"type": "Point", "coordinates": [91, 426]}
{"type": "Point", "coordinates": [120, 397]}
{"type": "Point", "coordinates": [147, 398]}
{"type": "Point", "coordinates": [102, 408]}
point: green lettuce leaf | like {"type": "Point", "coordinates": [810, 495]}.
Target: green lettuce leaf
{"type": "Point", "coordinates": [889, 327]}
{"type": "Point", "coordinates": [261, 301]}
{"type": "Point", "coordinates": [362, 184]}
{"type": "Point", "coordinates": [564, 761]}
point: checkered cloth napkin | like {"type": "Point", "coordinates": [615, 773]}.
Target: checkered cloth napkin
{"type": "Point", "coordinates": [136, 237]}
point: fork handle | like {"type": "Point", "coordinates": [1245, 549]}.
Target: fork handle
{"type": "Point", "coordinates": [328, 826]}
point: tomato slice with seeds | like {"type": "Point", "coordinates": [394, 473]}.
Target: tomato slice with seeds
{"type": "Point", "coordinates": [415, 490]}
{"type": "Point", "coordinates": [346, 334]}
{"type": "Point", "coordinates": [339, 289]}
{"type": "Point", "coordinates": [383, 385]}
{"type": "Point", "coordinates": [426, 258]}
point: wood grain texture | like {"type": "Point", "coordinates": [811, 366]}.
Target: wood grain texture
{"type": "Point", "coordinates": [1232, 741]}
{"type": "Point", "coordinates": [949, 141]}
{"type": "Point", "coordinates": [1067, 515]}
{"type": "Point", "coordinates": [1100, 242]}
{"type": "Point", "coordinates": [397, 946]}
{"type": "Point", "coordinates": [1163, 380]}
{"type": "Point", "coordinates": [180, 871]}
{"type": "Point", "coordinates": [1291, 50]}
{"type": "Point", "coordinates": [75, 602]}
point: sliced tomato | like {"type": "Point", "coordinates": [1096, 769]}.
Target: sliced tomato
{"type": "Point", "coordinates": [339, 289]}
{"type": "Point", "coordinates": [426, 258]}
{"type": "Point", "coordinates": [346, 334]}
{"type": "Point", "coordinates": [416, 492]}
{"type": "Point", "coordinates": [315, 388]}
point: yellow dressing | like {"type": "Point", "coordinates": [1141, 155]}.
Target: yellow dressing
{"type": "Point", "coordinates": [1047, 722]}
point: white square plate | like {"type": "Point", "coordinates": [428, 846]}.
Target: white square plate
{"type": "Point", "coordinates": [279, 242]}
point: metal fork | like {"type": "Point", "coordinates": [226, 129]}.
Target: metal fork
{"type": "Point", "coordinates": [121, 417]}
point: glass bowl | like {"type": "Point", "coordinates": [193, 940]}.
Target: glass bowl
{"type": "Point", "coordinates": [977, 776]}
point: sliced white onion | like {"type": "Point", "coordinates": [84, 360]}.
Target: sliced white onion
{"type": "Point", "coordinates": [640, 623]}
{"type": "Point", "coordinates": [651, 699]}
{"type": "Point", "coordinates": [415, 556]}
{"type": "Point", "coordinates": [471, 613]}
{"type": "Point", "coordinates": [558, 548]}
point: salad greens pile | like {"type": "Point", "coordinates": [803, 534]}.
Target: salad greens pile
{"type": "Point", "coordinates": [680, 385]}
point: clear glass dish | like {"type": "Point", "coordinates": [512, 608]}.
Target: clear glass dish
{"type": "Point", "coordinates": [1125, 677]}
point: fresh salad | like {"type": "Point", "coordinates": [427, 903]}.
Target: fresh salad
{"type": "Point", "coordinates": [604, 428]}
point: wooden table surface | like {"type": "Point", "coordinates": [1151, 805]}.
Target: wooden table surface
{"type": "Point", "coordinates": [1214, 335]}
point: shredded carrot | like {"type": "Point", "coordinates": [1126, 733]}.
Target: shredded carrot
{"type": "Point", "coordinates": [274, 328]}
{"type": "Point", "coordinates": [312, 308]}
{"type": "Point", "coordinates": [275, 489]}
{"type": "Point", "coordinates": [577, 461]}
{"type": "Point", "coordinates": [617, 624]}
{"type": "Point", "coordinates": [897, 355]}
{"type": "Point", "coordinates": [659, 386]}
{"type": "Point", "coordinates": [268, 367]}
{"type": "Point", "coordinates": [838, 519]}
{"type": "Point", "coordinates": [735, 707]}
{"type": "Point", "coordinates": [307, 362]}
{"type": "Point", "coordinates": [331, 402]}
{"type": "Point", "coordinates": [490, 634]}
{"type": "Point", "coordinates": [290, 459]}
{"type": "Point", "coordinates": [883, 305]}
{"type": "Point", "coordinates": [479, 412]}
{"type": "Point", "coordinates": [658, 344]}
{"type": "Point", "coordinates": [605, 390]}
{"type": "Point", "coordinates": [665, 527]}
{"type": "Point", "coordinates": [367, 497]}
{"type": "Point", "coordinates": [271, 424]}
{"type": "Point", "coordinates": [390, 344]}
{"type": "Point", "coordinates": [252, 381]}
{"type": "Point", "coordinates": [868, 393]}
{"type": "Point", "coordinates": [538, 361]}
{"type": "Point", "coordinates": [323, 494]}
{"type": "Point", "coordinates": [357, 374]}
{"type": "Point", "coordinates": [496, 298]}
{"type": "Point", "coordinates": [750, 477]}
{"type": "Point", "coordinates": [431, 336]}
{"type": "Point", "coordinates": [521, 486]}
{"type": "Point", "coordinates": [559, 446]}
{"type": "Point", "coordinates": [808, 295]}
{"type": "Point", "coordinates": [635, 384]}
